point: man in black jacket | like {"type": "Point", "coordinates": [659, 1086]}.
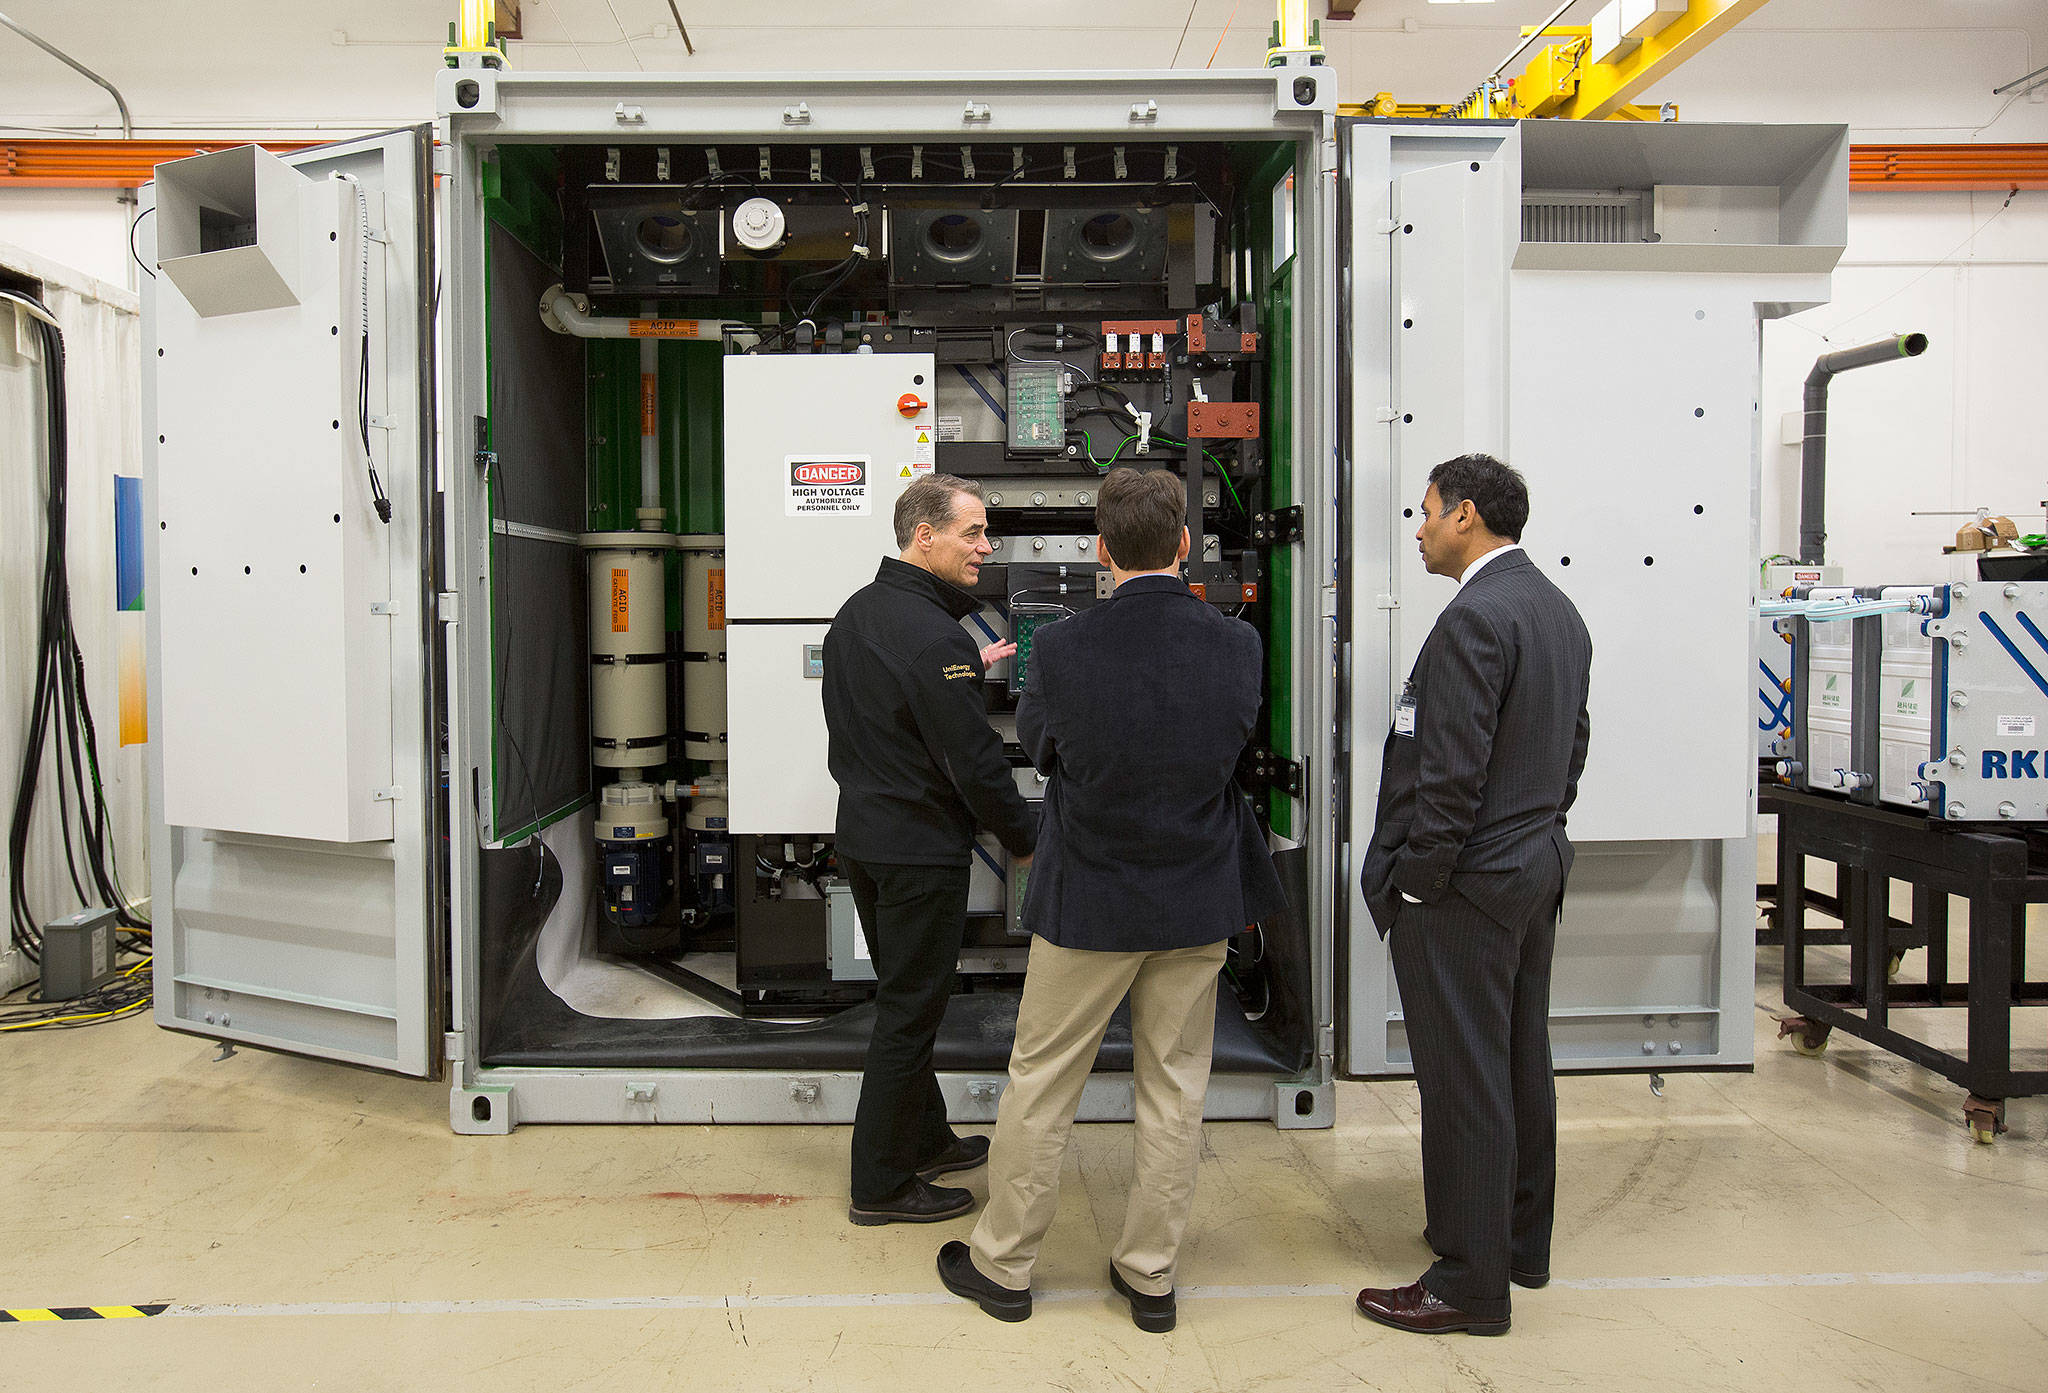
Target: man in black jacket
{"type": "Point", "coordinates": [1148, 860]}
{"type": "Point", "coordinates": [918, 767]}
{"type": "Point", "coordinates": [1464, 878]}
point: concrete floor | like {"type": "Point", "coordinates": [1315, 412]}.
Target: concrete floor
{"type": "Point", "coordinates": [1823, 1223]}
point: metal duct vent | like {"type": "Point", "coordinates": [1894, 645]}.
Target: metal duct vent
{"type": "Point", "coordinates": [1575, 216]}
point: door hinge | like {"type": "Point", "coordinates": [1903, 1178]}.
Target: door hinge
{"type": "Point", "coordinates": [1386, 601]}
{"type": "Point", "coordinates": [1386, 227]}
{"type": "Point", "coordinates": [385, 795]}
{"type": "Point", "coordinates": [1386, 415]}
{"type": "Point", "coordinates": [448, 607]}
{"type": "Point", "coordinates": [1260, 768]}
{"type": "Point", "coordinates": [1277, 528]}
{"type": "Point", "coordinates": [386, 608]}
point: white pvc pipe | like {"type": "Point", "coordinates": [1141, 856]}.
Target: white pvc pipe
{"type": "Point", "coordinates": [650, 418]}
{"type": "Point", "coordinates": [570, 314]}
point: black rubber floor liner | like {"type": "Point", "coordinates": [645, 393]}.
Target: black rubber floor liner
{"type": "Point", "coordinates": [527, 1025]}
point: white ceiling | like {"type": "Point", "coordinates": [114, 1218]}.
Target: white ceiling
{"type": "Point", "coordinates": [1893, 68]}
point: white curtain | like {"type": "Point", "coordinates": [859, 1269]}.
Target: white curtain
{"type": "Point", "coordinates": [102, 340]}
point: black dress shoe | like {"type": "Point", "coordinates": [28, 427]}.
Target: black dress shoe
{"type": "Point", "coordinates": [963, 1278]}
{"type": "Point", "coordinates": [917, 1203]}
{"type": "Point", "coordinates": [963, 1155]}
{"type": "Point", "coordinates": [1415, 1307]}
{"type": "Point", "coordinates": [1154, 1313]}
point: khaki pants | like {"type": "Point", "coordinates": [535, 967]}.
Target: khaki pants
{"type": "Point", "coordinates": [1069, 994]}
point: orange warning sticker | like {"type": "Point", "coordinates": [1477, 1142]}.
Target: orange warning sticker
{"type": "Point", "coordinates": [619, 600]}
{"type": "Point", "coordinates": [662, 328]}
{"type": "Point", "coordinates": [648, 394]}
{"type": "Point", "coordinates": [714, 599]}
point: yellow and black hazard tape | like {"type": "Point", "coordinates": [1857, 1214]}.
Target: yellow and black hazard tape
{"type": "Point", "coordinates": [29, 1314]}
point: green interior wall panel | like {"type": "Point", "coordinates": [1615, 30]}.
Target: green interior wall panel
{"type": "Point", "coordinates": [1273, 289]}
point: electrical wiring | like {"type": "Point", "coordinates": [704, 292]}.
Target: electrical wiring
{"type": "Point", "coordinates": [131, 241]}
{"type": "Point", "coordinates": [125, 995]}
{"type": "Point", "coordinates": [1078, 335]}
{"type": "Point", "coordinates": [378, 500]}
{"type": "Point", "coordinates": [835, 276]}
{"type": "Point", "coordinates": [1088, 445]}
{"type": "Point", "coordinates": [60, 710]}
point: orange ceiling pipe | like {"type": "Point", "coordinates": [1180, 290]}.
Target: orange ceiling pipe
{"type": "Point", "coordinates": [104, 164]}
{"type": "Point", "coordinates": [1937, 168]}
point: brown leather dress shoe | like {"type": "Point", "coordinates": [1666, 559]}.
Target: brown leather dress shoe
{"type": "Point", "coordinates": [1415, 1307]}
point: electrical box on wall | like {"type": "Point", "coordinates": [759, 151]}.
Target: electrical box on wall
{"type": "Point", "coordinates": [817, 449]}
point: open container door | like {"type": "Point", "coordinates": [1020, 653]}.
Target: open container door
{"type": "Point", "coordinates": [1584, 299]}
{"type": "Point", "coordinates": [294, 767]}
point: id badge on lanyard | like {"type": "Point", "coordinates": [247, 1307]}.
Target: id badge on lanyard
{"type": "Point", "coordinates": [1404, 711]}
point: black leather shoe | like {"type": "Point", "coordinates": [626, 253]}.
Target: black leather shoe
{"type": "Point", "coordinates": [919, 1203]}
{"type": "Point", "coordinates": [1154, 1313]}
{"type": "Point", "coordinates": [1415, 1307]}
{"type": "Point", "coordinates": [963, 1155]}
{"type": "Point", "coordinates": [963, 1278]}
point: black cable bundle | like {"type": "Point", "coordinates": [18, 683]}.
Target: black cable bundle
{"type": "Point", "coordinates": [124, 995]}
{"type": "Point", "coordinates": [61, 711]}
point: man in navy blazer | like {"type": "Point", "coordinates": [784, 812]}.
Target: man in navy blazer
{"type": "Point", "coordinates": [1464, 878]}
{"type": "Point", "coordinates": [1148, 860]}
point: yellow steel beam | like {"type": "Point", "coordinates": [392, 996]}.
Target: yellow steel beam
{"type": "Point", "coordinates": [1603, 89]}
{"type": "Point", "coordinates": [475, 33]}
{"type": "Point", "coordinates": [1294, 33]}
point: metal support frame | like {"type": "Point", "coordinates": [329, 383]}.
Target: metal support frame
{"type": "Point", "coordinates": [483, 107]}
{"type": "Point", "coordinates": [1870, 848]}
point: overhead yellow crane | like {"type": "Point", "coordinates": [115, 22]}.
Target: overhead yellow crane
{"type": "Point", "coordinates": [1584, 72]}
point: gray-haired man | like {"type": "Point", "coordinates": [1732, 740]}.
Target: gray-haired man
{"type": "Point", "coordinates": [918, 768]}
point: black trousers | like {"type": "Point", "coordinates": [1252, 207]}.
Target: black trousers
{"type": "Point", "coordinates": [1476, 999]}
{"type": "Point", "coordinates": [914, 917]}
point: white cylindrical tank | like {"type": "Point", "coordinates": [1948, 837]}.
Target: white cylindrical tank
{"type": "Point", "coordinates": [628, 648]}
{"type": "Point", "coordinates": [703, 647]}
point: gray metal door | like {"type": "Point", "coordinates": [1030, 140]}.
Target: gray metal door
{"type": "Point", "coordinates": [1430, 214]}
{"type": "Point", "coordinates": [294, 767]}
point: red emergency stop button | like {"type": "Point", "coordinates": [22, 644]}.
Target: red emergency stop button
{"type": "Point", "coordinates": [910, 403]}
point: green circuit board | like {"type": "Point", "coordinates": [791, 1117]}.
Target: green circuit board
{"type": "Point", "coordinates": [1038, 419]}
{"type": "Point", "coordinates": [1024, 623]}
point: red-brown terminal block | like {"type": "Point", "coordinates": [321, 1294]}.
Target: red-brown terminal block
{"type": "Point", "coordinates": [1223, 420]}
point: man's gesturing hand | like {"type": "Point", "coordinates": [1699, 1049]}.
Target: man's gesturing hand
{"type": "Point", "coordinates": [996, 652]}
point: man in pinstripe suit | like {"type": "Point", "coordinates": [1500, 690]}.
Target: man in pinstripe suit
{"type": "Point", "coordinates": [1464, 878]}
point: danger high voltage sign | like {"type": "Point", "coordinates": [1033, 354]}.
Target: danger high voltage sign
{"type": "Point", "coordinates": [827, 484]}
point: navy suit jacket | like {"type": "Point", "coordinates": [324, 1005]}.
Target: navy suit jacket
{"type": "Point", "coordinates": [1475, 800]}
{"type": "Point", "coordinates": [1136, 712]}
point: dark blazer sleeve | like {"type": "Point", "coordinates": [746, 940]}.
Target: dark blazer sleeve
{"type": "Point", "coordinates": [1034, 713]}
{"type": "Point", "coordinates": [1456, 715]}
{"type": "Point", "coordinates": [1580, 739]}
{"type": "Point", "coordinates": [944, 686]}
